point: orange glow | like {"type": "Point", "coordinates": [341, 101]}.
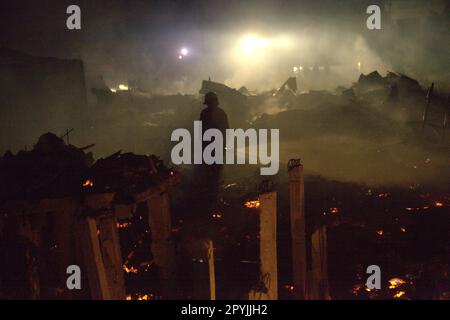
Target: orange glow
{"type": "Point", "coordinates": [130, 269]}
{"type": "Point", "coordinates": [439, 204]}
{"type": "Point", "coordinates": [395, 283]}
{"type": "Point", "coordinates": [254, 204]}
{"type": "Point", "coordinates": [399, 294]}
{"type": "Point", "coordinates": [334, 210]}
{"type": "Point", "coordinates": [140, 296]}
{"type": "Point", "coordinates": [123, 225]}
{"type": "Point", "coordinates": [88, 183]}
{"type": "Point", "coordinates": [216, 215]}
{"type": "Point", "coordinates": [380, 232]}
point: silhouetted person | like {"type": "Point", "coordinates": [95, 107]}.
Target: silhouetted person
{"type": "Point", "coordinates": [213, 117]}
{"type": "Point", "coordinates": [209, 176]}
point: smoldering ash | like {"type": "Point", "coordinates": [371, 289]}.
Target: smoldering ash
{"type": "Point", "coordinates": [230, 149]}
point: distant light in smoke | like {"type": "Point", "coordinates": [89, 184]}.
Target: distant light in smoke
{"type": "Point", "coordinates": [295, 69]}
{"type": "Point", "coordinates": [251, 43]}
{"type": "Point", "coordinates": [180, 57]}
{"type": "Point", "coordinates": [184, 52]}
{"type": "Point", "coordinates": [123, 87]}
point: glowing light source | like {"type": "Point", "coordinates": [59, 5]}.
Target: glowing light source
{"type": "Point", "coordinates": [123, 87]}
{"type": "Point", "coordinates": [184, 52]}
{"type": "Point", "coordinates": [250, 44]}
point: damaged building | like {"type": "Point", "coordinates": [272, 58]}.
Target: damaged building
{"type": "Point", "coordinates": [39, 94]}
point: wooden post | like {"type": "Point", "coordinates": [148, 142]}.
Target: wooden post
{"type": "Point", "coordinates": [204, 279]}
{"type": "Point", "coordinates": [63, 218]}
{"type": "Point", "coordinates": [268, 245]}
{"type": "Point", "coordinates": [160, 221]}
{"type": "Point", "coordinates": [112, 256]}
{"type": "Point", "coordinates": [319, 283]}
{"type": "Point", "coordinates": [212, 274]}
{"type": "Point", "coordinates": [92, 257]}
{"type": "Point", "coordinates": [298, 233]}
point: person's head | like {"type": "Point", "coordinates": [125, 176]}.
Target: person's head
{"type": "Point", "coordinates": [211, 99]}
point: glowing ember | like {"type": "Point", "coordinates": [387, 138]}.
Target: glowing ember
{"type": "Point", "coordinates": [334, 210]}
{"type": "Point", "coordinates": [357, 288]}
{"type": "Point", "coordinates": [140, 296]}
{"type": "Point", "coordinates": [395, 283]}
{"type": "Point", "coordinates": [403, 229]}
{"type": "Point", "coordinates": [130, 269]}
{"type": "Point", "coordinates": [88, 183]}
{"type": "Point", "coordinates": [216, 215]}
{"type": "Point", "coordinates": [439, 204]}
{"type": "Point", "coordinates": [399, 294]}
{"type": "Point", "coordinates": [289, 287]}
{"type": "Point", "coordinates": [254, 204]}
{"type": "Point", "coordinates": [380, 232]}
{"type": "Point", "coordinates": [123, 225]}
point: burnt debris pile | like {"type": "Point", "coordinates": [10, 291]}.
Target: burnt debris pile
{"type": "Point", "coordinates": [60, 208]}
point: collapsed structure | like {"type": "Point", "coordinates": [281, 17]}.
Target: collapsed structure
{"type": "Point", "coordinates": [60, 208]}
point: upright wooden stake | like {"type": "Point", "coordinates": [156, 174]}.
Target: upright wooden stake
{"type": "Point", "coordinates": [212, 274]}
{"type": "Point", "coordinates": [160, 221]}
{"type": "Point", "coordinates": [268, 244]}
{"type": "Point", "coordinates": [298, 233]}
{"type": "Point", "coordinates": [112, 256]}
{"type": "Point", "coordinates": [319, 283]}
{"type": "Point", "coordinates": [93, 262]}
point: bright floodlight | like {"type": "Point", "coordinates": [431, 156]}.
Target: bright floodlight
{"type": "Point", "coordinates": [184, 51]}
{"type": "Point", "coordinates": [250, 43]}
